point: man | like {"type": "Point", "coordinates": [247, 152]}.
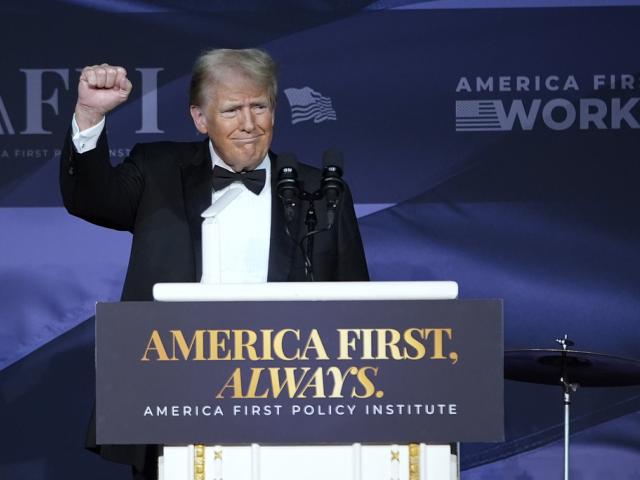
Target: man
{"type": "Point", "coordinates": [160, 191]}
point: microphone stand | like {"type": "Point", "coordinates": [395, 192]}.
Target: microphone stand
{"type": "Point", "coordinates": [331, 186]}
{"type": "Point", "coordinates": [311, 222]}
{"type": "Point", "coordinates": [289, 191]}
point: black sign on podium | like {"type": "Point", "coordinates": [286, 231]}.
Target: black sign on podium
{"type": "Point", "coordinates": [303, 372]}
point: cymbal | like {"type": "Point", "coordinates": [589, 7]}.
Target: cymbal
{"type": "Point", "coordinates": [588, 369]}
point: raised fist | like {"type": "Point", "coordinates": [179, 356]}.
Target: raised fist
{"type": "Point", "coordinates": [101, 89]}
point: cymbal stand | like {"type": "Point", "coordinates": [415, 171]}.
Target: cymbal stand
{"type": "Point", "coordinates": [567, 388]}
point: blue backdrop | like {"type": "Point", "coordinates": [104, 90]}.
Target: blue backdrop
{"type": "Point", "coordinates": [495, 145]}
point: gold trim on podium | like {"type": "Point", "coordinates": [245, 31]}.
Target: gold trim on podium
{"type": "Point", "coordinates": [414, 461]}
{"type": "Point", "coordinates": [198, 462]}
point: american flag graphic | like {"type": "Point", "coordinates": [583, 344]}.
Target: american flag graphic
{"type": "Point", "coordinates": [307, 104]}
{"type": "Point", "coordinates": [478, 116]}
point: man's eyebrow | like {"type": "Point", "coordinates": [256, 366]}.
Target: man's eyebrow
{"type": "Point", "coordinates": [236, 103]}
{"type": "Point", "coordinates": [229, 104]}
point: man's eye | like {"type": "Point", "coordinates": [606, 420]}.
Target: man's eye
{"type": "Point", "coordinates": [229, 113]}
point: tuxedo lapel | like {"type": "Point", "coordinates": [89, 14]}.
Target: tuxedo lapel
{"type": "Point", "coordinates": [197, 189]}
{"type": "Point", "coordinates": [281, 247]}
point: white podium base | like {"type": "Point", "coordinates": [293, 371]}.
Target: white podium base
{"type": "Point", "coordinates": [334, 462]}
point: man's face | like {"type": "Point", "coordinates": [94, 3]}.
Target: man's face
{"type": "Point", "coordinates": [238, 119]}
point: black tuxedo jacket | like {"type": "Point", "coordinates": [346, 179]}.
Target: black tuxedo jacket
{"type": "Point", "coordinates": [158, 194]}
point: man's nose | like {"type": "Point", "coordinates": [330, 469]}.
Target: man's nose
{"type": "Point", "coordinates": [246, 120]}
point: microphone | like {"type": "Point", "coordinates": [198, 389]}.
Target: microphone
{"type": "Point", "coordinates": [287, 186]}
{"type": "Point", "coordinates": [332, 184]}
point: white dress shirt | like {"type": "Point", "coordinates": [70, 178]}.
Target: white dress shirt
{"type": "Point", "coordinates": [236, 248]}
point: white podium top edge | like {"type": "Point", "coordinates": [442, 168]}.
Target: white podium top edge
{"type": "Point", "coordinates": [304, 291]}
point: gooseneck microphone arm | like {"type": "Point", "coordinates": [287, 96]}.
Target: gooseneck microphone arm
{"type": "Point", "coordinates": [332, 183]}
{"type": "Point", "coordinates": [288, 187]}
{"type": "Point", "coordinates": [311, 222]}
{"type": "Point", "coordinates": [290, 194]}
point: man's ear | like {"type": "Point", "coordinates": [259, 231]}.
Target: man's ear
{"type": "Point", "coordinates": [198, 119]}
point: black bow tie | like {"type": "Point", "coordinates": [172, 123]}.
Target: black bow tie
{"type": "Point", "coordinates": [253, 179]}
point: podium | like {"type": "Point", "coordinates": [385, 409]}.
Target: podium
{"type": "Point", "coordinates": [351, 380]}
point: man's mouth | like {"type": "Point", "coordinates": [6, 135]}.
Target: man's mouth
{"type": "Point", "coordinates": [245, 141]}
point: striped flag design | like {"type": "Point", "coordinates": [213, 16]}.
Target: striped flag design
{"type": "Point", "coordinates": [307, 104]}
{"type": "Point", "coordinates": [478, 116]}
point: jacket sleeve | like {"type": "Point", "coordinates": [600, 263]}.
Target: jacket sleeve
{"type": "Point", "coordinates": [98, 192]}
{"type": "Point", "coordinates": [352, 264]}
